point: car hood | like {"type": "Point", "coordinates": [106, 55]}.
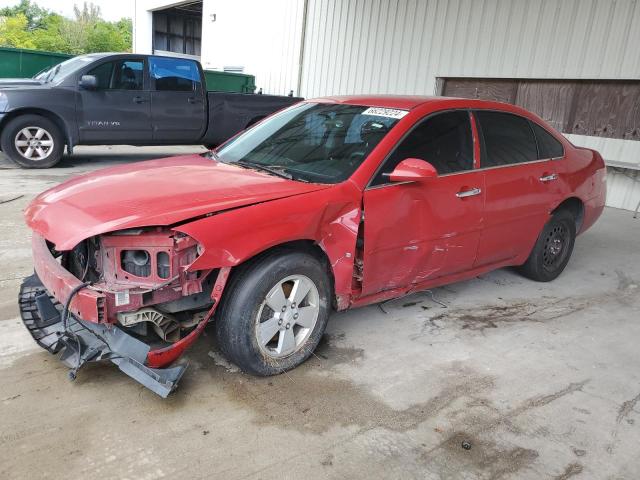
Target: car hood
{"type": "Point", "coordinates": [151, 193]}
{"type": "Point", "coordinates": [18, 82]}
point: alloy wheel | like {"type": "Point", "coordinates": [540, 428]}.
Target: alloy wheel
{"type": "Point", "coordinates": [287, 316]}
{"type": "Point", "coordinates": [34, 143]}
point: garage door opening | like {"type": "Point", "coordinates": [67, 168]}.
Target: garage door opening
{"type": "Point", "coordinates": [178, 30]}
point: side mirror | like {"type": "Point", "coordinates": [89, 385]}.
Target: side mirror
{"type": "Point", "coordinates": [413, 170]}
{"type": "Point", "coordinates": [89, 82]}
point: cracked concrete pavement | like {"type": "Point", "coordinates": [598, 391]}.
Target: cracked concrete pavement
{"type": "Point", "coordinates": [540, 380]}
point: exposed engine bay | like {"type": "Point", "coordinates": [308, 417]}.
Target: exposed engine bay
{"type": "Point", "coordinates": [143, 273]}
{"type": "Point", "coordinates": [143, 307]}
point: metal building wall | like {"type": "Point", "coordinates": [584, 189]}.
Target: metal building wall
{"type": "Point", "coordinates": [402, 46]}
{"type": "Point", "coordinates": [262, 36]}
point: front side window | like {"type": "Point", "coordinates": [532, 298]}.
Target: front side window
{"type": "Point", "coordinates": [314, 142]}
{"type": "Point", "coordinates": [174, 74]}
{"type": "Point", "coordinates": [507, 139]}
{"type": "Point", "coordinates": [548, 146]}
{"type": "Point", "coordinates": [119, 75]}
{"type": "Point", "coordinates": [444, 140]}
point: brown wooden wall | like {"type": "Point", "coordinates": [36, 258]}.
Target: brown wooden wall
{"type": "Point", "coordinates": [603, 108]}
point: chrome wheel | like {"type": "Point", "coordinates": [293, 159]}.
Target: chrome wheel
{"type": "Point", "coordinates": [287, 316]}
{"type": "Point", "coordinates": [34, 143]}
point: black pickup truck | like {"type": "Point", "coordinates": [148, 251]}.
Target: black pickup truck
{"type": "Point", "coordinates": [120, 99]}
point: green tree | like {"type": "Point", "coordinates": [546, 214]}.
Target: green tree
{"type": "Point", "coordinates": [27, 25]}
{"type": "Point", "coordinates": [13, 32]}
{"type": "Point", "coordinates": [36, 16]}
{"type": "Point", "coordinates": [49, 38]}
{"type": "Point", "coordinates": [105, 37]}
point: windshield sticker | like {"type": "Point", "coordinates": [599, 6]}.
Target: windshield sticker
{"type": "Point", "coordinates": [385, 112]}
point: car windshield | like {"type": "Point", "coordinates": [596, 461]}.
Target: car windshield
{"type": "Point", "coordinates": [61, 70]}
{"type": "Point", "coordinates": [312, 142]}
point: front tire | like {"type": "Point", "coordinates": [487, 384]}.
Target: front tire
{"type": "Point", "coordinates": [553, 248]}
{"type": "Point", "coordinates": [32, 141]}
{"type": "Point", "coordinates": [274, 312]}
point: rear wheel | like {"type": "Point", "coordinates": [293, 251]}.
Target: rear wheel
{"type": "Point", "coordinates": [274, 312]}
{"type": "Point", "coordinates": [32, 141]}
{"type": "Point", "coordinates": [553, 248]}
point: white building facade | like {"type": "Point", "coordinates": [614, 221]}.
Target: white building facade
{"type": "Point", "coordinates": [551, 56]}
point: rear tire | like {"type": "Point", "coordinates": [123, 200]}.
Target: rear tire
{"type": "Point", "coordinates": [266, 323]}
{"type": "Point", "coordinates": [553, 248]}
{"type": "Point", "coordinates": [32, 141]}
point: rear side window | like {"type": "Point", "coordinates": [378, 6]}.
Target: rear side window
{"type": "Point", "coordinates": [508, 139]}
{"type": "Point", "coordinates": [174, 74]}
{"type": "Point", "coordinates": [444, 140]}
{"type": "Point", "coordinates": [548, 147]}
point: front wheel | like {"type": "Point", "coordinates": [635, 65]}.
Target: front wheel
{"type": "Point", "coordinates": [553, 248]}
{"type": "Point", "coordinates": [32, 141]}
{"type": "Point", "coordinates": [274, 312]}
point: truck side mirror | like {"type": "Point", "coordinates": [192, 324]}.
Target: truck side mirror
{"type": "Point", "coordinates": [89, 82]}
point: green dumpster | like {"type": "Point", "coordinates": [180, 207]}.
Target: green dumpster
{"type": "Point", "coordinates": [229, 82]}
{"type": "Point", "coordinates": [20, 63]}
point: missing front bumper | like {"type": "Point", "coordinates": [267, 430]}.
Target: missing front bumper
{"type": "Point", "coordinates": [84, 342]}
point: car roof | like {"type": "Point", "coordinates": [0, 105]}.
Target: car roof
{"type": "Point", "coordinates": [409, 102]}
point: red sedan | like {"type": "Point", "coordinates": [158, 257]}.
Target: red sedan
{"type": "Point", "coordinates": [330, 204]}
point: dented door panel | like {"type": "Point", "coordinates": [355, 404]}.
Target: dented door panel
{"type": "Point", "coordinates": [420, 231]}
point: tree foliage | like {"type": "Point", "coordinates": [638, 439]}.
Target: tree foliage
{"type": "Point", "coordinates": [27, 25]}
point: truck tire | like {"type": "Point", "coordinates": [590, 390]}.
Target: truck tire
{"type": "Point", "coordinates": [274, 312]}
{"type": "Point", "coordinates": [32, 141]}
{"type": "Point", "coordinates": [553, 248]}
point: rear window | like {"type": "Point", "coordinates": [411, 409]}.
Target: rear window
{"type": "Point", "coordinates": [548, 146]}
{"type": "Point", "coordinates": [507, 139]}
{"type": "Point", "coordinates": [174, 74]}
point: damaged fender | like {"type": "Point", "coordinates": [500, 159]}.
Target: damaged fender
{"type": "Point", "coordinates": [329, 218]}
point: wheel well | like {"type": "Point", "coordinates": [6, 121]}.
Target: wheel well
{"type": "Point", "coordinates": [307, 246]}
{"type": "Point", "coordinates": [43, 113]}
{"type": "Point", "coordinates": [575, 207]}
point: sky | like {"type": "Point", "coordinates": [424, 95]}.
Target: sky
{"type": "Point", "coordinates": [111, 9]}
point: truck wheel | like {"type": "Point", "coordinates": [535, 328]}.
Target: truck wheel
{"type": "Point", "coordinates": [32, 141]}
{"type": "Point", "coordinates": [274, 312]}
{"type": "Point", "coordinates": [553, 248]}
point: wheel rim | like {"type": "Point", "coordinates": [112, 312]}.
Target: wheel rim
{"type": "Point", "coordinates": [555, 246]}
{"type": "Point", "coordinates": [34, 143]}
{"type": "Point", "coordinates": [287, 316]}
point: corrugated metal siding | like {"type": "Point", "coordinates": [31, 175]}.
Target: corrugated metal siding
{"type": "Point", "coordinates": [402, 46]}
{"type": "Point", "coordinates": [623, 185]}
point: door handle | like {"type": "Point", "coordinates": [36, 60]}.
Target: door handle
{"type": "Point", "coordinates": [549, 178]}
{"type": "Point", "coordinates": [469, 193]}
{"type": "Point", "coordinates": [193, 100]}
{"type": "Point", "coordinates": [139, 99]}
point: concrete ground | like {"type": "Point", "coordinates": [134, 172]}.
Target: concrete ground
{"type": "Point", "coordinates": [542, 380]}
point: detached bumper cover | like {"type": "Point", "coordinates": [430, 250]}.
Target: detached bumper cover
{"type": "Point", "coordinates": [84, 341]}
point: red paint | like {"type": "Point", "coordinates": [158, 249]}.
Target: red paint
{"type": "Point", "coordinates": [417, 234]}
{"type": "Point", "coordinates": [413, 170]}
{"type": "Point", "coordinates": [156, 192]}
{"type": "Point", "coordinates": [87, 303]}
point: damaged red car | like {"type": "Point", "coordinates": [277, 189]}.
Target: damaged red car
{"type": "Point", "coordinates": [330, 204]}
